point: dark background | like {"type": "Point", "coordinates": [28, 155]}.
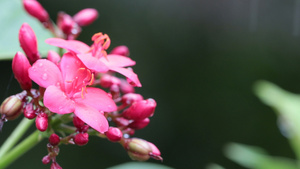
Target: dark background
{"type": "Point", "coordinates": [199, 60]}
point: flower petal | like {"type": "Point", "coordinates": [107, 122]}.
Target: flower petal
{"type": "Point", "coordinates": [117, 61]}
{"type": "Point", "coordinates": [57, 101]}
{"type": "Point", "coordinates": [72, 45]}
{"type": "Point", "coordinates": [45, 73]}
{"type": "Point", "coordinates": [129, 74]}
{"type": "Point", "coordinates": [69, 66]}
{"type": "Point", "coordinates": [92, 117]}
{"type": "Point", "coordinates": [98, 99]}
{"type": "Point", "coordinates": [92, 63]}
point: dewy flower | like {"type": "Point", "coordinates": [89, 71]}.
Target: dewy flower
{"type": "Point", "coordinates": [96, 58]}
{"type": "Point", "coordinates": [66, 90]}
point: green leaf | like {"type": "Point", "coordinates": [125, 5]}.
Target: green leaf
{"type": "Point", "coordinates": [256, 158]}
{"type": "Point", "coordinates": [287, 106]}
{"type": "Point", "coordinates": [139, 165]}
{"type": "Point", "coordinates": [12, 16]}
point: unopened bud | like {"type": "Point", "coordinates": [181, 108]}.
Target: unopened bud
{"type": "Point", "coordinates": [20, 66]}
{"type": "Point", "coordinates": [121, 122]}
{"type": "Point", "coordinates": [78, 123]}
{"type": "Point", "coordinates": [29, 111]}
{"type": "Point", "coordinates": [114, 134]}
{"type": "Point", "coordinates": [140, 110]}
{"type": "Point", "coordinates": [107, 81]}
{"type": "Point", "coordinates": [41, 122]}
{"type": "Point", "coordinates": [129, 98]}
{"type": "Point", "coordinates": [55, 165]}
{"type": "Point", "coordinates": [53, 57]}
{"type": "Point", "coordinates": [11, 107]}
{"type": "Point", "coordinates": [28, 42]}
{"type": "Point", "coordinates": [66, 23]}
{"type": "Point", "coordinates": [138, 149]}
{"type": "Point", "coordinates": [126, 87]}
{"type": "Point", "coordinates": [46, 159]}
{"type": "Point", "coordinates": [54, 139]}
{"type": "Point", "coordinates": [139, 124]}
{"type": "Point", "coordinates": [120, 50]}
{"type": "Point", "coordinates": [81, 139]}
{"type": "Point", "coordinates": [35, 9]}
{"type": "Point", "coordinates": [155, 153]}
{"type": "Point", "coordinates": [86, 16]}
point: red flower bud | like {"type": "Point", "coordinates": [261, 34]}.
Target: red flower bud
{"type": "Point", "coordinates": [28, 42]}
{"type": "Point", "coordinates": [53, 57]}
{"type": "Point", "coordinates": [139, 124]}
{"type": "Point", "coordinates": [55, 165]}
{"type": "Point", "coordinates": [86, 16]}
{"type": "Point", "coordinates": [41, 122]}
{"type": "Point", "coordinates": [29, 111]}
{"type": "Point", "coordinates": [54, 139]}
{"type": "Point", "coordinates": [120, 50]}
{"type": "Point", "coordinates": [129, 98]}
{"type": "Point", "coordinates": [11, 107]}
{"type": "Point", "coordinates": [141, 150]}
{"type": "Point", "coordinates": [20, 66]}
{"type": "Point", "coordinates": [66, 23]}
{"type": "Point", "coordinates": [107, 81]}
{"type": "Point", "coordinates": [81, 139]}
{"type": "Point", "coordinates": [46, 159]}
{"type": "Point", "coordinates": [140, 110]}
{"type": "Point", "coordinates": [78, 123]}
{"type": "Point", "coordinates": [121, 122]}
{"type": "Point", "coordinates": [126, 87]}
{"type": "Point", "coordinates": [35, 9]}
{"type": "Point", "coordinates": [114, 134]}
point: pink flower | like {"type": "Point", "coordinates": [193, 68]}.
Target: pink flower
{"type": "Point", "coordinates": [96, 58]}
{"type": "Point", "coordinates": [66, 90]}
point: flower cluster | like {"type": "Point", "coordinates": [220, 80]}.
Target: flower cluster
{"type": "Point", "coordinates": [78, 86]}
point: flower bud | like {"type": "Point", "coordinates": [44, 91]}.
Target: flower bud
{"type": "Point", "coordinates": [114, 134]}
{"type": "Point", "coordinates": [29, 111]}
{"type": "Point", "coordinates": [11, 107]}
{"type": "Point", "coordinates": [81, 139]}
{"type": "Point", "coordinates": [107, 81]}
{"type": "Point", "coordinates": [28, 42]}
{"type": "Point", "coordinates": [138, 149]}
{"type": "Point", "coordinates": [78, 123]}
{"type": "Point", "coordinates": [129, 98]}
{"type": "Point", "coordinates": [121, 122]}
{"type": "Point", "coordinates": [120, 50]}
{"type": "Point", "coordinates": [35, 9]}
{"type": "Point", "coordinates": [53, 57]}
{"type": "Point", "coordinates": [141, 150]}
{"type": "Point", "coordinates": [41, 122]}
{"type": "Point", "coordinates": [20, 66]}
{"type": "Point", "coordinates": [86, 16]}
{"type": "Point", "coordinates": [126, 87]}
{"type": "Point", "coordinates": [140, 110]}
{"type": "Point", "coordinates": [55, 165]}
{"type": "Point", "coordinates": [54, 139]}
{"type": "Point", "coordinates": [66, 23]}
{"type": "Point", "coordinates": [139, 124]}
{"type": "Point", "coordinates": [46, 159]}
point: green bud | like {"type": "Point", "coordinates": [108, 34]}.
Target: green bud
{"type": "Point", "coordinates": [11, 107]}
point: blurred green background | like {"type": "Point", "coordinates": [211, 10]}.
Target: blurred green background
{"type": "Point", "coordinates": [199, 60]}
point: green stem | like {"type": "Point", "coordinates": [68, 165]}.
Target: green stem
{"type": "Point", "coordinates": [20, 149]}
{"type": "Point", "coordinates": [15, 136]}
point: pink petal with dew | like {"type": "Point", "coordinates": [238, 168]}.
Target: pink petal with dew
{"type": "Point", "coordinates": [57, 101]}
{"type": "Point", "coordinates": [98, 99]}
{"type": "Point", "coordinates": [117, 61]}
{"type": "Point", "coordinates": [71, 45]}
{"type": "Point", "coordinates": [92, 117]}
{"type": "Point", "coordinates": [45, 73]}
{"type": "Point", "coordinates": [93, 63]}
{"type": "Point", "coordinates": [129, 74]}
{"type": "Point", "coordinates": [69, 66]}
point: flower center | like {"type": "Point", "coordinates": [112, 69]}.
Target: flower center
{"type": "Point", "coordinates": [101, 44]}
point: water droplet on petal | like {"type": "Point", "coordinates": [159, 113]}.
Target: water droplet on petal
{"type": "Point", "coordinates": [44, 76]}
{"type": "Point", "coordinates": [40, 64]}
